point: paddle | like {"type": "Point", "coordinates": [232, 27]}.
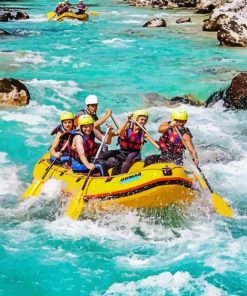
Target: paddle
{"type": "Point", "coordinates": [114, 121]}
{"type": "Point", "coordinates": [93, 13]}
{"type": "Point", "coordinates": [156, 145]}
{"type": "Point", "coordinates": [51, 15]}
{"type": "Point", "coordinates": [220, 205]}
{"type": "Point", "coordinates": [76, 204]}
{"type": "Point", "coordinates": [32, 190]}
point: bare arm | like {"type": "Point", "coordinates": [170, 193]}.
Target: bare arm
{"type": "Point", "coordinates": [79, 147]}
{"type": "Point", "coordinates": [55, 144]}
{"type": "Point", "coordinates": [164, 126]}
{"type": "Point", "coordinates": [123, 127]}
{"type": "Point", "coordinates": [103, 119]}
{"type": "Point", "coordinates": [188, 141]}
{"type": "Point", "coordinates": [99, 136]}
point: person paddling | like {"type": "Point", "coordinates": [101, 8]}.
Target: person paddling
{"type": "Point", "coordinates": [62, 133]}
{"type": "Point", "coordinates": [84, 147]}
{"type": "Point", "coordinates": [131, 140]}
{"type": "Point", "coordinates": [81, 8]}
{"type": "Point", "coordinates": [92, 103]}
{"type": "Point", "coordinates": [171, 145]}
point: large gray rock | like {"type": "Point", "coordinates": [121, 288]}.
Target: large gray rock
{"type": "Point", "coordinates": [236, 94]}
{"type": "Point", "coordinates": [230, 20]}
{"type": "Point", "coordinates": [162, 3]}
{"type": "Point", "coordinates": [13, 93]}
{"type": "Point", "coordinates": [157, 22]}
{"type": "Point", "coordinates": [234, 97]}
{"type": "Point", "coordinates": [207, 6]}
{"type": "Point", "coordinates": [234, 33]}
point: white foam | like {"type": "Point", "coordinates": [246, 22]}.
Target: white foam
{"type": "Point", "coordinates": [81, 65]}
{"type": "Point", "coordinates": [131, 22]}
{"type": "Point", "coordinates": [29, 119]}
{"type": "Point", "coordinates": [64, 89]}
{"type": "Point", "coordinates": [3, 158]}
{"type": "Point", "coordinates": [29, 58]}
{"type": "Point", "coordinates": [162, 284]}
{"type": "Point", "coordinates": [117, 42]}
{"type": "Point", "coordinates": [12, 172]}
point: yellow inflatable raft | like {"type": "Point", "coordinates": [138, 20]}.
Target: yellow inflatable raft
{"type": "Point", "coordinates": [72, 15]}
{"type": "Point", "coordinates": [154, 186]}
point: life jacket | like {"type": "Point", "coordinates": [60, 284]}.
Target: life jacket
{"type": "Point", "coordinates": [171, 142]}
{"type": "Point", "coordinates": [81, 6]}
{"type": "Point", "coordinates": [63, 138]}
{"type": "Point", "coordinates": [60, 9]}
{"type": "Point", "coordinates": [89, 146]}
{"type": "Point", "coordinates": [130, 140]}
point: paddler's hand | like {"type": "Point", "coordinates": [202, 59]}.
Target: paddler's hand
{"type": "Point", "coordinates": [173, 123]}
{"type": "Point", "coordinates": [129, 117]}
{"type": "Point", "coordinates": [57, 154]}
{"type": "Point", "coordinates": [196, 161]}
{"type": "Point", "coordinates": [91, 166]}
{"type": "Point", "coordinates": [108, 112]}
{"type": "Point", "coordinates": [110, 128]}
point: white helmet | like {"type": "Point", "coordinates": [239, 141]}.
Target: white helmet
{"type": "Point", "coordinates": [91, 99]}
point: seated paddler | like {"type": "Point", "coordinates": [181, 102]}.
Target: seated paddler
{"type": "Point", "coordinates": [131, 139]}
{"type": "Point", "coordinates": [171, 145]}
{"type": "Point", "coordinates": [60, 146]}
{"type": "Point", "coordinates": [84, 148]}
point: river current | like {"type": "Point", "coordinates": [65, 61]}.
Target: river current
{"type": "Point", "coordinates": [189, 251]}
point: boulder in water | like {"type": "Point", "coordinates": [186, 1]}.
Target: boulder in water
{"type": "Point", "coordinates": [13, 93]}
{"type": "Point", "coordinates": [186, 99]}
{"type": "Point", "coordinates": [230, 21]}
{"type": "Point", "coordinates": [183, 20]}
{"type": "Point", "coordinates": [236, 94]}
{"type": "Point", "coordinates": [157, 22]}
{"type": "Point", "coordinates": [207, 6]}
{"type": "Point", "coordinates": [21, 15]}
{"type": "Point", "coordinates": [234, 97]}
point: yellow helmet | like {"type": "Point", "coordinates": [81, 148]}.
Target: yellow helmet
{"type": "Point", "coordinates": [138, 113]}
{"type": "Point", "coordinates": [85, 119]}
{"type": "Point", "coordinates": [179, 115]}
{"type": "Point", "coordinates": [66, 116]}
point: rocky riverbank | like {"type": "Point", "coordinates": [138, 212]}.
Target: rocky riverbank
{"type": "Point", "coordinates": [228, 19]}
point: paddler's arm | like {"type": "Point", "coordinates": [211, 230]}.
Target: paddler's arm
{"type": "Point", "coordinates": [55, 145]}
{"type": "Point", "coordinates": [124, 126]}
{"type": "Point", "coordinates": [188, 141]}
{"type": "Point", "coordinates": [103, 119]}
{"type": "Point", "coordinates": [100, 136]}
{"type": "Point", "coordinates": [164, 126]}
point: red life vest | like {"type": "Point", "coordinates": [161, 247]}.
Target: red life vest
{"type": "Point", "coordinates": [171, 142]}
{"type": "Point", "coordinates": [81, 6]}
{"type": "Point", "coordinates": [63, 138]}
{"type": "Point", "coordinates": [60, 9]}
{"type": "Point", "coordinates": [130, 140]}
{"type": "Point", "coordinates": [89, 146]}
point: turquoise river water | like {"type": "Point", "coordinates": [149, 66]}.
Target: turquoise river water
{"type": "Point", "coordinates": [189, 251]}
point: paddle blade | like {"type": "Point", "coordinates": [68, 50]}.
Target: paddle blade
{"type": "Point", "coordinates": [93, 13]}
{"type": "Point", "coordinates": [221, 207]}
{"type": "Point", "coordinates": [75, 206]}
{"type": "Point", "coordinates": [33, 190]}
{"type": "Point", "coordinates": [51, 15]}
